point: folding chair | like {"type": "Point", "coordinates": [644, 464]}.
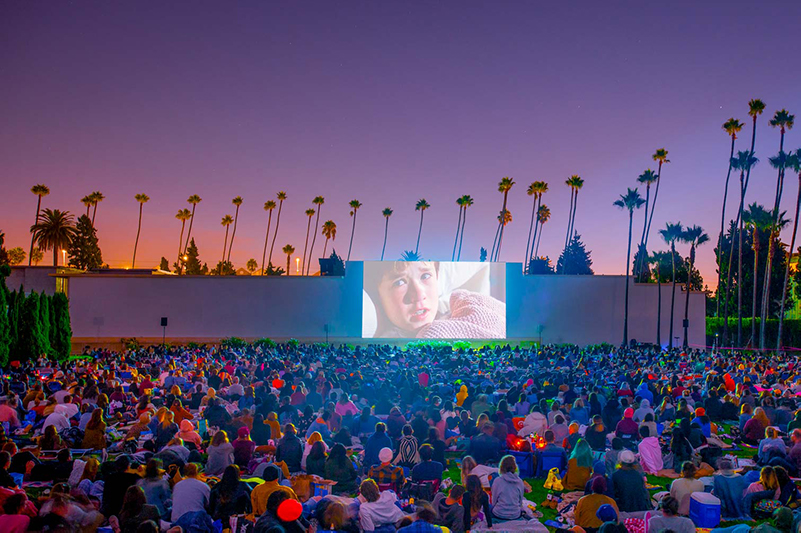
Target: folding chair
{"type": "Point", "coordinates": [548, 460]}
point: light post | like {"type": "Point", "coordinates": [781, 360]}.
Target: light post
{"type": "Point", "coordinates": [63, 257]}
{"type": "Point", "coordinates": [297, 266]}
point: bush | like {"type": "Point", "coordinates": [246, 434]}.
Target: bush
{"type": "Point", "coordinates": [234, 343]}
{"type": "Point", "coordinates": [130, 344]}
{"type": "Point", "coordinates": [293, 343]}
{"type": "Point", "coordinates": [264, 343]}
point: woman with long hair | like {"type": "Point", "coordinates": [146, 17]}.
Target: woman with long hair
{"type": "Point", "coordinates": [339, 468]}
{"type": "Point", "coordinates": [476, 503]}
{"type": "Point", "coordinates": [135, 510]}
{"type": "Point", "coordinates": [157, 490]}
{"type": "Point", "coordinates": [94, 437]}
{"type": "Point", "coordinates": [754, 429]}
{"type": "Point", "coordinates": [579, 467]}
{"type": "Point", "coordinates": [166, 430]}
{"type": "Point", "coordinates": [230, 496]}
{"type": "Point", "coordinates": [221, 454]}
{"type": "Point", "coordinates": [51, 440]}
{"type": "Point", "coordinates": [508, 491]}
{"type": "Point", "coordinates": [315, 461]}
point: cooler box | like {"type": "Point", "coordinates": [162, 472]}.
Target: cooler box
{"type": "Point", "coordinates": [704, 510]}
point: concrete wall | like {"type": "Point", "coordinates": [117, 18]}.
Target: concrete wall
{"type": "Point", "coordinates": [577, 309]}
{"type": "Point", "coordinates": [33, 278]}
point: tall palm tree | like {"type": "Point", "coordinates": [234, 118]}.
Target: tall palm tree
{"type": "Point", "coordinates": [656, 259]}
{"type": "Point", "coordinates": [575, 183]}
{"type": "Point", "coordinates": [793, 163]}
{"type": "Point", "coordinates": [536, 189]}
{"type": "Point", "coordinates": [281, 196]}
{"type": "Point", "coordinates": [460, 203]}
{"type": "Point", "coordinates": [237, 202]}
{"type": "Point", "coordinates": [387, 212]}
{"type": "Point", "coordinates": [732, 127]}
{"type": "Point", "coordinates": [647, 178]}
{"type": "Point", "coordinates": [467, 201]}
{"type": "Point", "coordinates": [743, 162]}
{"type": "Point", "coordinates": [629, 201]}
{"type": "Point", "coordinates": [330, 232]}
{"type": "Point", "coordinates": [670, 235]}
{"type": "Point", "coordinates": [354, 207]}
{"type": "Point", "coordinates": [695, 237]}
{"type": "Point", "coordinates": [142, 199]}
{"type": "Point", "coordinates": [53, 230]}
{"type": "Point", "coordinates": [194, 200]}
{"type": "Point", "coordinates": [543, 216]}
{"type": "Point", "coordinates": [504, 186]}
{"type": "Point", "coordinates": [757, 219]}
{"type": "Point", "coordinates": [40, 191]}
{"type": "Point", "coordinates": [87, 203]}
{"type": "Point", "coordinates": [421, 206]}
{"type": "Point", "coordinates": [309, 213]}
{"type": "Point", "coordinates": [269, 205]}
{"type": "Point", "coordinates": [183, 215]}
{"type": "Point", "coordinates": [96, 197]}
{"type": "Point", "coordinates": [318, 201]}
{"type": "Point", "coordinates": [660, 156]}
{"type": "Point", "coordinates": [288, 250]}
{"type": "Point", "coordinates": [227, 220]}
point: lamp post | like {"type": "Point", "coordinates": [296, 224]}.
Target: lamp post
{"type": "Point", "coordinates": [297, 266]}
{"type": "Point", "coordinates": [63, 257]}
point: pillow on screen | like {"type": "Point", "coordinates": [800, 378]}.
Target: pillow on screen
{"type": "Point", "coordinates": [369, 318]}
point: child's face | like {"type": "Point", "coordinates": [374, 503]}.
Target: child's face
{"type": "Point", "coordinates": [410, 298]}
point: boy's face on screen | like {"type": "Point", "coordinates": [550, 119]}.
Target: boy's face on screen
{"type": "Point", "coordinates": [410, 297]}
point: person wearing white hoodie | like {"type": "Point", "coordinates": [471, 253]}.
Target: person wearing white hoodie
{"type": "Point", "coordinates": [534, 423]}
{"type": "Point", "coordinates": [377, 508]}
{"type": "Point", "coordinates": [644, 409]}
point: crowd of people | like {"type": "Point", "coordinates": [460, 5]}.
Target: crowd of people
{"type": "Point", "coordinates": [379, 438]}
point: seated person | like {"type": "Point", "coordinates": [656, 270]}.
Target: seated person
{"type": "Point", "coordinates": [484, 447]}
{"type": "Point", "coordinates": [586, 512]}
{"type": "Point", "coordinates": [507, 491]}
{"type": "Point", "coordinates": [450, 512]}
{"type": "Point", "coordinates": [427, 470]}
{"type": "Point", "coordinates": [579, 467]}
{"type": "Point", "coordinates": [670, 521]}
{"type": "Point", "coordinates": [683, 488]}
{"type": "Point", "coordinates": [386, 473]}
{"type": "Point", "coordinates": [377, 508]}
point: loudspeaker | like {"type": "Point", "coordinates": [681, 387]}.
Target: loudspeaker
{"type": "Point", "coordinates": [164, 321]}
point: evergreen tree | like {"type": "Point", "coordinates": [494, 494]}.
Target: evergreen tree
{"type": "Point", "coordinates": [44, 320]}
{"type": "Point", "coordinates": [53, 324]}
{"type": "Point", "coordinates": [540, 266]}
{"type": "Point", "coordinates": [15, 299]}
{"type": "Point", "coordinates": [224, 268]}
{"type": "Point", "coordinates": [575, 259]}
{"type": "Point", "coordinates": [84, 253]}
{"type": "Point", "coordinates": [31, 341]}
{"type": "Point", "coordinates": [3, 252]}
{"type": "Point", "coordinates": [63, 334]}
{"type": "Point", "coordinates": [5, 329]}
{"type": "Point", "coordinates": [164, 265]}
{"type": "Point", "coordinates": [192, 263]}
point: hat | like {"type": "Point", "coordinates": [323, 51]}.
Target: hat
{"type": "Point", "coordinates": [700, 411]}
{"type": "Point", "coordinates": [627, 457]}
{"type": "Point", "coordinates": [628, 413]}
{"type": "Point", "coordinates": [385, 455]}
{"type": "Point", "coordinates": [606, 513]}
{"type": "Point", "coordinates": [289, 510]}
{"type": "Point", "coordinates": [242, 432]}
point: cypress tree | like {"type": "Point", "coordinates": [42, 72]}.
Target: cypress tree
{"type": "Point", "coordinates": [14, 303]}
{"type": "Point", "coordinates": [5, 329]}
{"type": "Point", "coordinates": [30, 344]}
{"type": "Point", "coordinates": [53, 324]}
{"type": "Point", "coordinates": [44, 320]}
{"type": "Point", "coordinates": [63, 339]}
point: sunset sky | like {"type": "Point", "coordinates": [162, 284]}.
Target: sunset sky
{"type": "Point", "coordinates": [386, 102]}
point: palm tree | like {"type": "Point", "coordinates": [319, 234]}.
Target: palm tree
{"type": "Point", "coordinates": [387, 212]}
{"type": "Point", "coordinates": [281, 197]}
{"type": "Point", "coordinates": [310, 214]}
{"type": "Point", "coordinates": [660, 156]}
{"type": "Point", "coordinates": [183, 215]}
{"type": "Point", "coordinates": [575, 183]}
{"type": "Point", "coordinates": [237, 202]}
{"type": "Point", "coordinates": [648, 177]}
{"type": "Point", "coordinates": [288, 250]}
{"type": "Point", "coordinates": [269, 205]}
{"type": "Point", "coordinates": [96, 197]}
{"type": "Point", "coordinates": [467, 201]}
{"type": "Point", "coordinates": [330, 232]}
{"type": "Point", "coordinates": [536, 189]}
{"type": "Point", "coordinates": [543, 215]}
{"type": "Point", "coordinates": [39, 190]}
{"type": "Point", "coordinates": [629, 201]}
{"type": "Point", "coordinates": [504, 186]}
{"type": "Point", "coordinates": [757, 219]}
{"type": "Point", "coordinates": [53, 230]}
{"type": "Point", "coordinates": [695, 237]}
{"type": "Point", "coordinates": [670, 235]}
{"type": "Point", "coordinates": [421, 206]}
{"type": "Point", "coordinates": [460, 203]}
{"type": "Point", "coordinates": [318, 201]}
{"type": "Point", "coordinates": [354, 207]}
{"type": "Point", "coordinates": [656, 259]}
{"type": "Point", "coordinates": [194, 200]}
{"type": "Point", "coordinates": [744, 162]}
{"type": "Point", "coordinates": [251, 265]}
{"type": "Point", "coordinates": [795, 164]}
{"type": "Point", "coordinates": [227, 220]}
{"type": "Point", "coordinates": [87, 203]}
{"type": "Point", "coordinates": [732, 127]}
{"type": "Point", "coordinates": [142, 199]}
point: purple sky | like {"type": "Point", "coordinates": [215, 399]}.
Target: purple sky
{"type": "Point", "coordinates": [387, 102]}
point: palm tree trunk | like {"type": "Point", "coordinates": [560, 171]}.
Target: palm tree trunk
{"type": "Point", "coordinates": [743, 186]}
{"type": "Point", "coordinates": [225, 245]}
{"type": "Point", "coordinates": [233, 234]}
{"type": "Point", "coordinates": [536, 227]}
{"type": "Point", "coordinates": [573, 219]}
{"type": "Point", "coordinates": [686, 323]}
{"type": "Point", "coordinates": [36, 220]}
{"type": "Point", "coordinates": [628, 260]}
{"type": "Point", "coordinates": [266, 238]}
{"type": "Point", "coordinates": [55, 256]}
{"type": "Point", "coordinates": [658, 307]}
{"type": "Point", "coordinates": [314, 238]}
{"type": "Point", "coordinates": [325, 247]}
{"type": "Point", "coordinates": [191, 221]}
{"type": "Point", "coordinates": [352, 231]}
{"type": "Point", "coordinates": [740, 284]}
{"type": "Point", "coordinates": [94, 213]}
{"type": "Point", "coordinates": [503, 225]}
{"type": "Point", "coordinates": [386, 230]}
{"type": "Point", "coordinates": [495, 241]}
{"type": "Point", "coordinates": [672, 292]}
{"type": "Point", "coordinates": [653, 205]}
{"type": "Point", "coordinates": [180, 245]}
{"type": "Point", "coordinates": [640, 258]}
{"type": "Point", "coordinates": [754, 290]}
{"type": "Point", "coordinates": [461, 235]}
{"type": "Point", "coordinates": [138, 230]}
{"type": "Point", "coordinates": [769, 265]}
{"type": "Point", "coordinates": [787, 265]}
{"type": "Point", "coordinates": [87, 209]}
{"type": "Point", "coordinates": [722, 223]}
{"type": "Point", "coordinates": [288, 257]}
{"type": "Point", "coordinates": [539, 238]}
{"type": "Point", "coordinates": [529, 243]}
{"type": "Point", "coordinates": [455, 241]}
{"type": "Point", "coordinates": [419, 231]}
{"type": "Point", "coordinates": [567, 234]}
{"type": "Point", "coordinates": [272, 245]}
{"type": "Point", "coordinates": [305, 245]}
